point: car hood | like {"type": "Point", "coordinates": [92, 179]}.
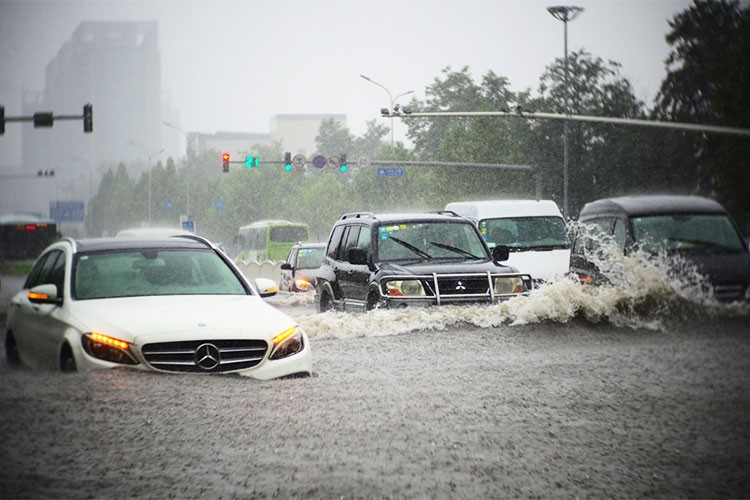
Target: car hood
{"type": "Point", "coordinates": [187, 317]}
{"type": "Point", "coordinates": [445, 268]}
{"type": "Point", "coordinates": [547, 265]}
{"type": "Point", "coordinates": [722, 267]}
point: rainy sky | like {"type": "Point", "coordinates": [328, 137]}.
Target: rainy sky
{"type": "Point", "coordinates": [231, 65]}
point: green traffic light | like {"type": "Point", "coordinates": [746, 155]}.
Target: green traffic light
{"type": "Point", "coordinates": [343, 168]}
{"type": "Point", "coordinates": [252, 161]}
{"type": "Point", "coordinates": [288, 167]}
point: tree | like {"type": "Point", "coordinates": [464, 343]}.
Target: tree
{"type": "Point", "coordinates": [708, 81]}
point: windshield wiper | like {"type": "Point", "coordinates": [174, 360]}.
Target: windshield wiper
{"type": "Point", "coordinates": [457, 250]}
{"type": "Point", "coordinates": [411, 247]}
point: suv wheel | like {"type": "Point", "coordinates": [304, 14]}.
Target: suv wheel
{"type": "Point", "coordinates": [374, 301]}
{"type": "Point", "coordinates": [325, 304]}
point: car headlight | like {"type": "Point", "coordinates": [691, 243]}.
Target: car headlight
{"type": "Point", "coordinates": [107, 348]}
{"type": "Point", "coordinates": [405, 288]}
{"type": "Point", "coordinates": [505, 285]}
{"type": "Point", "coordinates": [303, 284]}
{"type": "Point", "coordinates": [287, 343]}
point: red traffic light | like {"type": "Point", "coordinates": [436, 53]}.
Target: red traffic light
{"type": "Point", "coordinates": [225, 156]}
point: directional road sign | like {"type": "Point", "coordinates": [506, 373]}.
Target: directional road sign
{"type": "Point", "coordinates": [390, 172]}
{"type": "Point", "coordinates": [319, 161]}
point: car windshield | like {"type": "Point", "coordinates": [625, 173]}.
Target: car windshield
{"type": "Point", "coordinates": [310, 258]}
{"type": "Point", "coordinates": [143, 272]}
{"type": "Point", "coordinates": [525, 233]}
{"type": "Point", "coordinates": [429, 241]}
{"type": "Point", "coordinates": [686, 232]}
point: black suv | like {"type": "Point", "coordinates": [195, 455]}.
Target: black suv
{"type": "Point", "coordinates": [694, 228]}
{"type": "Point", "coordinates": [392, 260]}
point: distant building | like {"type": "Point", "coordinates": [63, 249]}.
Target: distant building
{"type": "Point", "coordinates": [295, 132]}
{"type": "Point", "coordinates": [116, 67]}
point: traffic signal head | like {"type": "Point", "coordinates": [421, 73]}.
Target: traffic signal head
{"type": "Point", "coordinates": [225, 159]}
{"type": "Point", "coordinates": [344, 167]}
{"type": "Point", "coordinates": [2, 120]}
{"type": "Point", "coordinates": [288, 161]}
{"type": "Point", "coordinates": [252, 161]}
{"type": "Point", "coordinates": [88, 118]}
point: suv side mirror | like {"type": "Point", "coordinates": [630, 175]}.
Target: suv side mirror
{"type": "Point", "coordinates": [286, 266]}
{"type": "Point", "coordinates": [500, 253]}
{"type": "Point", "coordinates": [357, 257]}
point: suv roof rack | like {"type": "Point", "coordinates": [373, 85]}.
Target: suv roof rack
{"type": "Point", "coordinates": [444, 212]}
{"type": "Point", "coordinates": [358, 215]}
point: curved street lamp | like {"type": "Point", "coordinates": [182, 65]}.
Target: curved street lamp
{"type": "Point", "coordinates": [392, 99]}
{"type": "Point", "coordinates": [565, 14]}
{"type": "Point", "coordinates": [150, 157]}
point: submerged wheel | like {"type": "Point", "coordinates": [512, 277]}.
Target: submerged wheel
{"type": "Point", "coordinates": [374, 301]}
{"type": "Point", "coordinates": [11, 350]}
{"type": "Point", "coordinates": [325, 303]}
{"type": "Point", "coordinates": [67, 361]}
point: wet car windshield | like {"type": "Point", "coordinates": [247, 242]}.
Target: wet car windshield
{"type": "Point", "coordinates": [136, 272]}
{"type": "Point", "coordinates": [429, 241]}
{"type": "Point", "coordinates": [526, 232]}
{"type": "Point", "coordinates": [310, 258]}
{"type": "Point", "coordinates": [686, 232]}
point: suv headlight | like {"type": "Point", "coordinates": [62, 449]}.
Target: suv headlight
{"type": "Point", "coordinates": [405, 288]}
{"type": "Point", "coordinates": [287, 343]}
{"type": "Point", "coordinates": [505, 285]}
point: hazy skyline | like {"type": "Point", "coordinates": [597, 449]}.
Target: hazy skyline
{"type": "Point", "coordinates": [230, 66]}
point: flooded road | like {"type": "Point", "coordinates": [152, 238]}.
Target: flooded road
{"type": "Point", "coordinates": [566, 393]}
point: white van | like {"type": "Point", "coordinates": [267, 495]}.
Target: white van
{"type": "Point", "coordinates": [533, 230]}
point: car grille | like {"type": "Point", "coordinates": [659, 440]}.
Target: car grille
{"type": "Point", "coordinates": [463, 286]}
{"type": "Point", "coordinates": [728, 292]}
{"type": "Point", "coordinates": [213, 356]}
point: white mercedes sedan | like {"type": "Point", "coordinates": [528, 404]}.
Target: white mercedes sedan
{"type": "Point", "coordinates": [166, 304]}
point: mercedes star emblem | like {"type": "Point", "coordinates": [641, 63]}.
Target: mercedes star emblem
{"type": "Point", "coordinates": [207, 356]}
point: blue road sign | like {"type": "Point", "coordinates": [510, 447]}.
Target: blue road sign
{"type": "Point", "coordinates": [390, 172]}
{"type": "Point", "coordinates": [319, 161]}
{"type": "Point", "coordinates": [219, 205]}
{"type": "Point", "coordinates": [188, 225]}
{"type": "Point", "coordinates": [66, 211]}
{"type": "Point", "coordinates": [168, 205]}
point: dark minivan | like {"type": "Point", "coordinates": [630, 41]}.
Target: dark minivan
{"type": "Point", "coordinates": [696, 228]}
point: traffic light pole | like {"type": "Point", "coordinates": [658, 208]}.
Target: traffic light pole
{"type": "Point", "coordinates": [530, 115]}
{"type": "Point", "coordinates": [46, 119]}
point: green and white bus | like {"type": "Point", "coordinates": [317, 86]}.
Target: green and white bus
{"type": "Point", "coordinates": [270, 239]}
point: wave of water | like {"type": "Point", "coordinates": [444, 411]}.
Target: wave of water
{"type": "Point", "coordinates": [644, 292]}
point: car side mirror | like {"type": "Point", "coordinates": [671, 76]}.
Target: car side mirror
{"type": "Point", "coordinates": [286, 266]}
{"type": "Point", "coordinates": [500, 253]}
{"type": "Point", "coordinates": [44, 294]}
{"type": "Point", "coordinates": [266, 287]}
{"type": "Point", "coordinates": [357, 257]}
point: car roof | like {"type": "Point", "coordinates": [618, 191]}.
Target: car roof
{"type": "Point", "coordinates": [120, 243]}
{"type": "Point", "coordinates": [151, 232]}
{"type": "Point", "coordinates": [388, 218]}
{"type": "Point", "coordinates": [491, 209]}
{"type": "Point", "coordinates": [310, 245]}
{"type": "Point", "coordinates": [652, 205]}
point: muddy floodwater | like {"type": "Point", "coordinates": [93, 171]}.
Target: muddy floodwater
{"type": "Point", "coordinates": [570, 392]}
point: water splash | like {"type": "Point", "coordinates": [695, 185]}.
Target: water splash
{"type": "Point", "coordinates": [643, 291]}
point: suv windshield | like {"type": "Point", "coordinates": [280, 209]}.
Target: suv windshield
{"type": "Point", "coordinates": [707, 233]}
{"type": "Point", "coordinates": [429, 241]}
{"type": "Point", "coordinates": [525, 233]}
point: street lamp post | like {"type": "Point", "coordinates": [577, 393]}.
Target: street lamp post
{"type": "Point", "coordinates": [565, 14]}
{"type": "Point", "coordinates": [150, 157]}
{"type": "Point", "coordinates": [188, 141]}
{"type": "Point", "coordinates": [392, 99]}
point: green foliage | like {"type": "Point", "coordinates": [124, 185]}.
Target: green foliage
{"type": "Point", "coordinates": [708, 82]}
